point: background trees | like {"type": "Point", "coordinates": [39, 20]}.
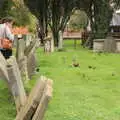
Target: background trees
{"type": "Point", "coordinates": [40, 9]}
{"type": "Point", "coordinates": [19, 12]}
{"type": "Point", "coordinates": [54, 13]}
{"type": "Point", "coordinates": [78, 20]}
{"type": "Point", "coordinates": [100, 15]}
{"type": "Point", "coordinates": [5, 7]}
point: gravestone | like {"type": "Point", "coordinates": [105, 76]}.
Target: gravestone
{"type": "Point", "coordinates": [117, 45]}
{"type": "Point", "coordinates": [37, 101]}
{"type": "Point", "coordinates": [60, 44]}
{"type": "Point", "coordinates": [15, 83]}
{"type": "Point", "coordinates": [48, 44]}
{"type": "Point", "coordinates": [98, 45]}
{"type": "Point", "coordinates": [28, 39]}
{"type": "Point", "coordinates": [31, 58]}
{"type": "Point", "coordinates": [31, 64]}
{"type": "Point", "coordinates": [109, 44]}
{"type": "Point", "coordinates": [40, 112]}
{"type": "Point", "coordinates": [52, 44]}
{"type": "Point", "coordinates": [29, 109]}
{"type": "Point", "coordinates": [20, 49]}
{"type": "Point", "coordinates": [23, 69]}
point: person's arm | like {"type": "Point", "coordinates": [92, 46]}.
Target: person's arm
{"type": "Point", "coordinates": [9, 34]}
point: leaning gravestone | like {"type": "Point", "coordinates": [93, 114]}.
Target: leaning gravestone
{"type": "Point", "coordinates": [31, 58]}
{"type": "Point", "coordinates": [15, 83]}
{"type": "Point", "coordinates": [20, 49]}
{"type": "Point", "coordinates": [47, 94]}
{"type": "Point", "coordinates": [52, 44]}
{"type": "Point", "coordinates": [27, 112]}
{"type": "Point", "coordinates": [31, 64]}
{"type": "Point", "coordinates": [48, 44]}
{"type": "Point", "coordinates": [60, 43]}
{"type": "Point", "coordinates": [23, 69]}
{"type": "Point", "coordinates": [37, 101]}
{"type": "Point", "coordinates": [28, 39]}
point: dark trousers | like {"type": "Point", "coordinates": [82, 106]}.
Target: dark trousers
{"type": "Point", "coordinates": [6, 53]}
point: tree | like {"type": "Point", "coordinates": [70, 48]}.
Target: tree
{"type": "Point", "coordinates": [5, 7]}
{"type": "Point", "coordinates": [54, 13]}
{"type": "Point", "coordinates": [40, 9]}
{"type": "Point", "coordinates": [115, 3]}
{"type": "Point", "coordinates": [78, 20]}
{"type": "Point", "coordinates": [100, 15]}
{"type": "Point", "coordinates": [18, 11]}
{"type": "Point", "coordinates": [61, 11]}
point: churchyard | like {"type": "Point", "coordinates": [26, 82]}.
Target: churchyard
{"type": "Point", "coordinates": [89, 91]}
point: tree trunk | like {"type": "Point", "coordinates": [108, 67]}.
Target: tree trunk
{"type": "Point", "coordinates": [55, 37]}
{"type": "Point", "coordinates": [89, 42]}
{"type": "Point", "coordinates": [41, 33]}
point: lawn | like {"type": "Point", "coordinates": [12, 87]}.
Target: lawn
{"type": "Point", "coordinates": [88, 92]}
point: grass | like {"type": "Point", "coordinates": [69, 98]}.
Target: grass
{"type": "Point", "coordinates": [7, 107]}
{"type": "Point", "coordinates": [82, 93]}
{"type": "Point", "coordinates": [88, 92]}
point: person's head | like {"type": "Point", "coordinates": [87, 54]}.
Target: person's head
{"type": "Point", "coordinates": [8, 20]}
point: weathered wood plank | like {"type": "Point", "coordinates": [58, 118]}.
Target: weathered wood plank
{"type": "Point", "coordinates": [15, 83]}
{"type": "Point", "coordinates": [39, 114]}
{"type": "Point", "coordinates": [29, 109]}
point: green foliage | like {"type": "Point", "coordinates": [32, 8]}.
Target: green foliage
{"type": "Point", "coordinates": [22, 16]}
{"type": "Point", "coordinates": [19, 12]}
{"type": "Point", "coordinates": [7, 106]}
{"type": "Point", "coordinates": [5, 7]}
{"type": "Point", "coordinates": [78, 20]}
{"type": "Point", "coordinates": [100, 15]}
{"type": "Point", "coordinates": [103, 16]}
{"type": "Point", "coordinates": [32, 24]}
{"type": "Point", "coordinates": [54, 13]}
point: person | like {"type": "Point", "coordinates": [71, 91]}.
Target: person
{"type": "Point", "coordinates": [6, 33]}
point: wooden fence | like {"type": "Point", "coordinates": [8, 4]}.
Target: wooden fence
{"type": "Point", "coordinates": [18, 70]}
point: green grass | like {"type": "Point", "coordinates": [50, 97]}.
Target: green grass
{"type": "Point", "coordinates": [7, 107]}
{"type": "Point", "coordinates": [82, 93]}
